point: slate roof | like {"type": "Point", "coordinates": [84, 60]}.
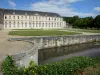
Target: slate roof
{"type": "Point", "coordinates": [23, 12]}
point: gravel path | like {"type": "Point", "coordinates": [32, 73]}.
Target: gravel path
{"type": "Point", "coordinates": [7, 47]}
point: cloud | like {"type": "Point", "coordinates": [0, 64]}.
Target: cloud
{"type": "Point", "coordinates": [61, 7]}
{"type": "Point", "coordinates": [12, 4]}
{"type": "Point", "coordinates": [97, 8]}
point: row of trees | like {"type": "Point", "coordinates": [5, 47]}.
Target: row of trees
{"type": "Point", "coordinates": [84, 23]}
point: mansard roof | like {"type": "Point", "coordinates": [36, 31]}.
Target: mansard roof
{"type": "Point", "coordinates": [27, 12]}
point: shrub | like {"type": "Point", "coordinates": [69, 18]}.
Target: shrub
{"type": "Point", "coordinates": [8, 67]}
{"type": "Point", "coordinates": [65, 67]}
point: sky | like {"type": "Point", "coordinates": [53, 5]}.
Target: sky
{"type": "Point", "coordinates": [68, 8]}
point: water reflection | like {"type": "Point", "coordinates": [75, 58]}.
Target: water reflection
{"type": "Point", "coordinates": [59, 53]}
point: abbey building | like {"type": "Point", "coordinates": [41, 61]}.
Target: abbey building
{"type": "Point", "coordinates": [23, 19]}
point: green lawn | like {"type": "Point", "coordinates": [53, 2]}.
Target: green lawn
{"type": "Point", "coordinates": [85, 30]}
{"type": "Point", "coordinates": [41, 32]}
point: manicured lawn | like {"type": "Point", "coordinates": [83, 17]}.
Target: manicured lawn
{"type": "Point", "coordinates": [40, 33]}
{"type": "Point", "coordinates": [90, 31]}
{"type": "Point", "coordinates": [85, 30]}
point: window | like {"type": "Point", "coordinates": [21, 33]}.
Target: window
{"type": "Point", "coordinates": [5, 17]}
{"type": "Point", "coordinates": [13, 17]}
{"type": "Point", "coordinates": [5, 25]}
{"type": "Point", "coordinates": [22, 17]}
{"type": "Point", "coordinates": [9, 25]}
{"type": "Point", "coordinates": [18, 17]}
{"type": "Point", "coordinates": [18, 22]}
{"type": "Point", "coordinates": [9, 22]}
{"type": "Point", "coordinates": [49, 18]}
{"type": "Point", "coordinates": [13, 12]}
{"type": "Point", "coordinates": [14, 24]}
{"type": "Point", "coordinates": [26, 17]}
{"type": "Point", "coordinates": [9, 17]}
{"type": "Point", "coordinates": [55, 19]}
{"type": "Point", "coordinates": [18, 25]}
{"type": "Point", "coordinates": [29, 24]}
{"type": "Point", "coordinates": [5, 22]}
{"type": "Point", "coordinates": [36, 17]}
{"type": "Point", "coordinates": [26, 24]}
{"type": "Point", "coordinates": [29, 17]}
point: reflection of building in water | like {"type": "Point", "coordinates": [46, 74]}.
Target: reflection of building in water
{"type": "Point", "coordinates": [23, 19]}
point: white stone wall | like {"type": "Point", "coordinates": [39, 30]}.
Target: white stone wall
{"type": "Point", "coordinates": [32, 22]}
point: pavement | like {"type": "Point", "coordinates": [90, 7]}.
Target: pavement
{"type": "Point", "coordinates": [8, 48]}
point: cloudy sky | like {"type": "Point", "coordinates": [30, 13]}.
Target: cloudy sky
{"type": "Point", "coordinates": [67, 8]}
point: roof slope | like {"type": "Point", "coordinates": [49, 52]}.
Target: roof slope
{"type": "Point", "coordinates": [23, 12]}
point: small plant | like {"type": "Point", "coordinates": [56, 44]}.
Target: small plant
{"type": "Point", "coordinates": [8, 67]}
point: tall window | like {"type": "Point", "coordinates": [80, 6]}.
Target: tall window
{"type": "Point", "coordinates": [26, 24]}
{"type": "Point", "coordinates": [18, 24]}
{"type": "Point", "coordinates": [18, 17]}
{"type": "Point", "coordinates": [9, 17]}
{"type": "Point", "coordinates": [9, 22]}
{"type": "Point", "coordinates": [49, 19]}
{"type": "Point", "coordinates": [5, 17]}
{"type": "Point", "coordinates": [29, 24]}
{"type": "Point", "coordinates": [13, 17]}
{"type": "Point", "coordinates": [26, 17]}
{"type": "Point", "coordinates": [14, 24]}
{"type": "Point", "coordinates": [22, 17]}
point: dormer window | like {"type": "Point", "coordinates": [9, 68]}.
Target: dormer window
{"type": "Point", "coordinates": [25, 13]}
{"type": "Point", "coordinates": [36, 14]}
{"type": "Point", "coordinates": [13, 12]}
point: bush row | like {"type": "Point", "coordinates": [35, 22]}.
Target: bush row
{"type": "Point", "coordinates": [65, 67]}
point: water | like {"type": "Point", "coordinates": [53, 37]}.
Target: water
{"type": "Point", "coordinates": [87, 49]}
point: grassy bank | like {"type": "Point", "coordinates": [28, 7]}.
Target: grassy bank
{"type": "Point", "coordinates": [41, 33]}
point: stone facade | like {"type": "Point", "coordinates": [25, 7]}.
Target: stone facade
{"type": "Point", "coordinates": [22, 19]}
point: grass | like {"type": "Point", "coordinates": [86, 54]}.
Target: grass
{"type": "Point", "coordinates": [85, 30]}
{"type": "Point", "coordinates": [41, 32]}
{"type": "Point", "coordinates": [93, 70]}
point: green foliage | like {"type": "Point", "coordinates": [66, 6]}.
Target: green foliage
{"type": "Point", "coordinates": [97, 21]}
{"type": "Point", "coordinates": [71, 20]}
{"type": "Point", "coordinates": [8, 67]}
{"type": "Point", "coordinates": [84, 23]}
{"type": "Point", "coordinates": [65, 67]}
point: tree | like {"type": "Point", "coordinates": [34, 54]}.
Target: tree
{"type": "Point", "coordinates": [97, 22]}
{"type": "Point", "coordinates": [74, 19]}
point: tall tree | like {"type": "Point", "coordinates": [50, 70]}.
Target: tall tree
{"type": "Point", "coordinates": [97, 22]}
